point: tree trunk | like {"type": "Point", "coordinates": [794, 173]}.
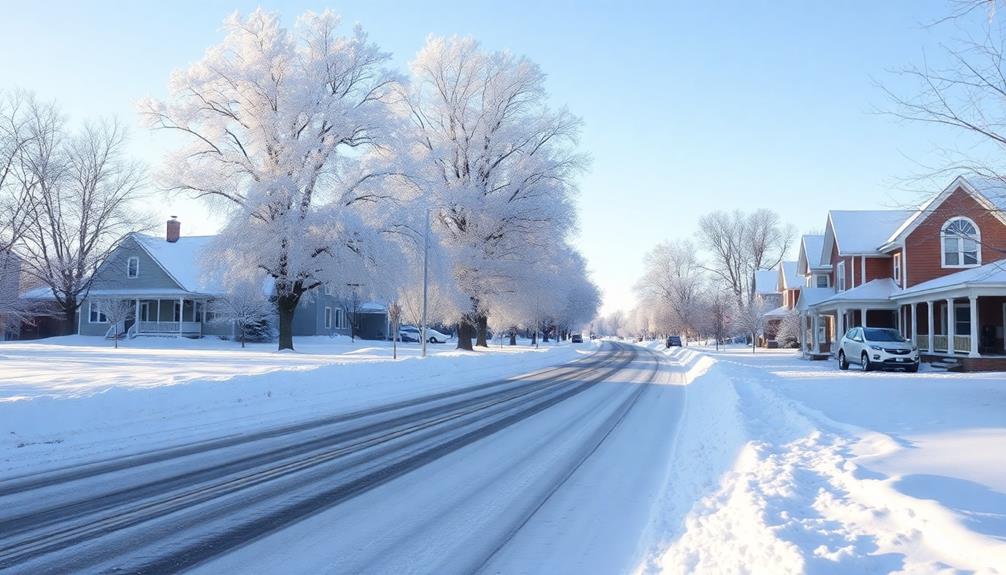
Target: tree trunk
{"type": "Point", "coordinates": [68, 326]}
{"type": "Point", "coordinates": [534, 338]}
{"type": "Point", "coordinates": [754, 341]}
{"type": "Point", "coordinates": [286, 305]}
{"type": "Point", "coordinates": [465, 335]}
{"type": "Point", "coordinates": [482, 328]}
{"type": "Point", "coordinates": [513, 337]}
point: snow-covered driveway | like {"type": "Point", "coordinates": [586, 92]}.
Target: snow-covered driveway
{"type": "Point", "coordinates": [555, 471]}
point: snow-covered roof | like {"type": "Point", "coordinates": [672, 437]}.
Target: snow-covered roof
{"type": "Point", "coordinates": [39, 293]}
{"type": "Point", "coordinates": [183, 261]}
{"type": "Point", "coordinates": [791, 278]}
{"type": "Point", "coordinates": [811, 296]}
{"type": "Point", "coordinates": [862, 232]}
{"type": "Point", "coordinates": [781, 311]}
{"type": "Point", "coordinates": [988, 275]}
{"type": "Point", "coordinates": [372, 307]}
{"type": "Point", "coordinates": [766, 282]}
{"type": "Point", "coordinates": [878, 290]}
{"type": "Point", "coordinates": [812, 245]}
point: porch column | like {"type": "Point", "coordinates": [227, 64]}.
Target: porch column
{"type": "Point", "coordinates": [181, 314]}
{"type": "Point", "coordinates": [862, 320]}
{"type": "Point", "coordinates": [814, 333]}
{"type": "Point", "coordinates": [929, 325]}
{"type": "Point", "coordinates": [840, 323]}
{"type": "Point", "coordinates": [136, 316]}
{"type": "Point", "coordinates": [951, 319]}
{"type": "Point", "coordinates": [973, 300]}
{"type": "Point", "coordinates": [901, 325]}
{"type": "Point", "coordinates": [915, 324]}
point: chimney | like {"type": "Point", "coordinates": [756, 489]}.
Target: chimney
{"type": "Point", "coordinates": [174, 229]}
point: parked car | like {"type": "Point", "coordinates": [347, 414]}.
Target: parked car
{"type": "Point", "coordinates": [877, 348]}
{"type": "Point", "coordinates": [673, 341]}
{"type": "Point", "coordinates": [411, 333]}
{"type": "Point", "coordinates": [576, 338]}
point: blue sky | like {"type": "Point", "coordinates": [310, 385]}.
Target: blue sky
{"type": "Point", "coordinates": [688, 107]}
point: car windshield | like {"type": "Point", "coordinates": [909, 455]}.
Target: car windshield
{"type": "Point", "coordinates": [408, 328]}
{"type": "Point", "coordinates": [882, 334]}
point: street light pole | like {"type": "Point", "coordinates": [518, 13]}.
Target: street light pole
{"type": "Point", "coordinates": [426, 275]}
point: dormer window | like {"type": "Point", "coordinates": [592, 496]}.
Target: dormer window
{"type": "Point", "coordinates": [960, 240]}
{"type": "Point", "coordinates": [822, 280]}
{"type": "Point", "coordinates": [133, 267]}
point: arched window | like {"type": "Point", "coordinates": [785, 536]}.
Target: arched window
{"type": "Point", "coordinates": [961, 241]}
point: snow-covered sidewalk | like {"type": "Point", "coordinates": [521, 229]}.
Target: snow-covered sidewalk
{"type": "Point", "coordinates": [789, 466]}
{"type": "Point", "coordinates": [75, 398]}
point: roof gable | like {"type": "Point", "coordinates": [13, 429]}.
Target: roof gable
{"type": "Point", "coordinates": [989, 193]}
{"type": "Point", "coordinates": [182, 261]}
{"type": "Point", "coordinates": [809, 258]}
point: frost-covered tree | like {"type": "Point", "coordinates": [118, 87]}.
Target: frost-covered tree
{"type": "Point", "coordinates": [118, 311]}
{"type": "Point", "coordinates": [740, 244]}
{"type": "Point", "coordinates": [289, 128]}
{"type": "Point", "coordinates": [673, 278]}
{"type": "Point", "coordinates": [245, 308]}
{"type": "Point", "coordinates": [15, 136]}
{"type": "Point", "coordinates": [750, 319]}
{"type": "Point", "coordinates": [81, 189]}
{"type": "Point", "coordinates": [496, 164]}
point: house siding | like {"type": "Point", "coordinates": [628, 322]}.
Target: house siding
{"type": "Point", "coordinates": [879, 268]}
{"type": "Point", "coordinates": [923, 245]}
{"type": "Point", "coordinates": [112, 273]}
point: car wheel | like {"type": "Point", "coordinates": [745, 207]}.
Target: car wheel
{"type": "Point", "coordinates": [433, 340]}
{"type": "Point", "coordinates": [843, 363]}
{"type": "Point", "coordinates": [867, 366]}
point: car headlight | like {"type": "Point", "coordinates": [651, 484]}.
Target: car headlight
{"type": "Point", "coordinates": [876, 347]}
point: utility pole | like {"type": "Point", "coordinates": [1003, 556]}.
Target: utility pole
{"type": "Point", "coordinates": [426, 276]}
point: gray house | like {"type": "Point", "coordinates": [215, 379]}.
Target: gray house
{"type": "Point", "coordinates": [165, 281]}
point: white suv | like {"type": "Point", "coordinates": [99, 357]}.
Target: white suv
{"type": "Point", "coordinates": [876, 348]}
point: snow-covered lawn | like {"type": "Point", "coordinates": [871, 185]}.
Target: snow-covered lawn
{"type": "Point", "coordinates": [790, 466]}
{"type": "Point", "coordinates": [76, 398]}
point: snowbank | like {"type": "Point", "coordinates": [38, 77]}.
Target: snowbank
{"type": "Point", "coordinates": [794, 467]}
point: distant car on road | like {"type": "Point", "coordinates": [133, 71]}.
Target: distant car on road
{"type": "Point", "coordinates": [673, 341]}
{"type": "Point", "coordinates": [877, 348]}
{"type": "Point", "coordinates": [411, 333]}
{"type": "Point", "coordinates": [576, 338]}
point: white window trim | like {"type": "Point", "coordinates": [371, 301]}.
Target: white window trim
{"type": "Point", "coordinates": [340, 318]}
{"type": "Point", "coordinates": [91, 310]}
{"type": "Point", "coordinates": [130, 260]}
{"type": "Point", "coordinates": [840, 281]}
{"type": "Point", "coordinates": [897, 269]}
{"type": "Point", "coordinates": [960, 251]}
{"type": "Point", "coordinates": [827, 280]}
{"type": "Point", "coordinates": [328, 317]}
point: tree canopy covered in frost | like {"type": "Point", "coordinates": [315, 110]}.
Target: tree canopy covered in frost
{"type": "Point", "coordinates": [290, 128]}
{"type": "Point", "coordinates": [497, 166]}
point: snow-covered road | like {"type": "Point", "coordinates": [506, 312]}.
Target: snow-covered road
{"type": "Point", "coordinates": [555, 471]}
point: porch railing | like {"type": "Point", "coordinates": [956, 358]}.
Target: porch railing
{"type": "Point", "coordinates": [170, 328]}
{"type": "Point", "coordinates": [939, 343]}
{"type": "Point", "coordinates": [962, 343]}
{"type": "Point", "coordinates": [923, 341]}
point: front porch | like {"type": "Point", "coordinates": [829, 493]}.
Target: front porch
{"type": "Point", "coordinates": [963, 324]}
{"type": "Point", "coordinates": [179, 317]}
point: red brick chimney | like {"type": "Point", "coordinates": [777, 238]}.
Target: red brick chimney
{"type": "Point", "coordinates": [174, 229]}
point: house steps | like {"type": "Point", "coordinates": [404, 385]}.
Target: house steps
{"type": "Point", "coordinates": [946, 364]}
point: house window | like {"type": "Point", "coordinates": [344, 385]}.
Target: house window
{"type": "Point", "coordinates": [133, 267]}
{"type": "Point", "coordinates": [327, 289]}
{"type": "Point", "coordinates": [962, 319]}
{"type": "Point", "coordinates": [176, 315]}
{"type": "Point", "coordinates": [328, 317]}
{"type": "Point", "coordinates": [94, 313]}
{"type": "Point", "coordinates": [960, 239]}
{"type": "Point", "coordinates": [340, 318]}
{"type": "Point", "coordinates": [897, 268]}
{"type": "Point", "coordinates": [822, 280]}
{"type": "Point", "coordinates": [840, 276]}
